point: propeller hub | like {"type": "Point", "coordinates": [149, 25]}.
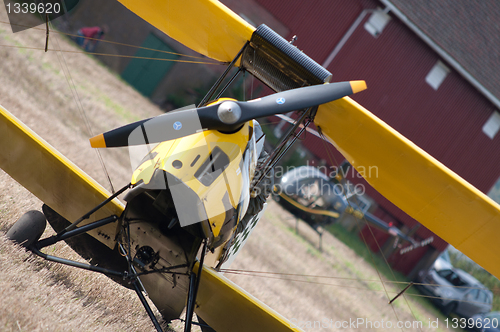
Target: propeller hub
{"type": "Point", "coordinates": [229, 112]}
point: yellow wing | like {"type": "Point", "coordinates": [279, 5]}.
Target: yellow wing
{"type": "Point", "coordinates": [51, 177]}
{"type": "Point", "coordinates": [416, 182]}
{"type": "Point", "coordinates": [206, 26]}
{"type": "Point", "coordinates": [227, 307]}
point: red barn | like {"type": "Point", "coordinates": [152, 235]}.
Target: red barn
{"type": "Point", "coordinates": [432, 69]}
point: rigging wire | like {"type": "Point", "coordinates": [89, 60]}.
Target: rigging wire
{"type": "Point", "coordinates": [252, 272]}
{"type": "Point", "coordinates": [79, 106]}
{"type": "Point", "coordinates": [253, 77]}
{"type": "Point", "coordinates": [385, 259]}
{"type": "Point", "coordinates": [116, 55]}
{"type": "Point", "coordinates": [53, 30]}
{"type": "Point", "coordinates": [244, 90]}
{"type": "Point", "coordinates": [334, 162]}
{"type": "Point", "coordinates": [259, 274]}
{"type": "Point", "coordinates": [386, 262]}
{"type": "Point", "coordinates": [69, 79]}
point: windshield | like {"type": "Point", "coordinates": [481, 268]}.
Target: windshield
{"type": "Point", "coordinates": [452, 277]}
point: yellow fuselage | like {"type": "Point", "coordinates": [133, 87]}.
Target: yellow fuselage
{"type": "Point", "coordinates": [216, 167]}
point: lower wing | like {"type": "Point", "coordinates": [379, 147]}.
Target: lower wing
{"type": "Point", "coordinates": [227, 307]}
{"type": "Point", "coordinates": [51, 177]}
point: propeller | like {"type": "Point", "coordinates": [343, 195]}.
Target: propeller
{"type": "Point", "coordinates": [226, 116]}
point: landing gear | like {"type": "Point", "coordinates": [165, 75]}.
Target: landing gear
{"type": "Point", "coordinates": [138, 266]}
{"type": "Point", "coordinates": [28, 229]}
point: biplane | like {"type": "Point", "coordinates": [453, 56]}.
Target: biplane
{"type": "Point", "coordinates": [197, 194]}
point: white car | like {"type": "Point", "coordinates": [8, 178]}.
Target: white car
{"type": "Point", "coordinates": [454, 290]}
{"type": "Point", "coordinates": [443, 262]}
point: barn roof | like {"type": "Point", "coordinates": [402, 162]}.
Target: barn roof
{"type": "Point", "coordinates": [467, 32]}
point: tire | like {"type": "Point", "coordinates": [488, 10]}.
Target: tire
{"type": "Point", "coordinates": [27, 229]}
{"type": "Point", "coordinates": [449, 308]}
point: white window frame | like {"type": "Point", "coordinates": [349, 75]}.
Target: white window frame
{"type": "Point", "coordinates": [437, 74]}
{"type": "Point", "coordinates": [492, 126]}
{"type": "Point", "coordinates": [377, 22]}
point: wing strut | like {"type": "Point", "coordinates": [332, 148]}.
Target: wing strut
{"type": "Point", "coordinates": [284, 145]}
{"type": "Point", "coordinates": [218, 83]}
{"type": "Point", "coordinates": [88, 214]}
{"type": "Point", "coordinates": [194, 284]}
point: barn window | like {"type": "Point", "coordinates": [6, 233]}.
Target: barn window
{"type": "Point", "coordinates": [377, 22]}
{"type": "Point", "coordinates": [492, 126]}
{"type": "Point", "coordinates": [437, 75]}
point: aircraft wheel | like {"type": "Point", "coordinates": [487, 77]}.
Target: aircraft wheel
{"type": "Point", "coordinates": [28, 228]}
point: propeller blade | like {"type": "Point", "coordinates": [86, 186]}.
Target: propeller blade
{"type": "Point", "coordinates": [161, 128]}
{"type": "Point", "coordinates": [226, 116]}
{"type": "Point", "coordinates": [296, 99]}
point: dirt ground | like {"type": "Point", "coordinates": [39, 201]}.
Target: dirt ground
{"type": "Point", "coordinates": [56, 94]}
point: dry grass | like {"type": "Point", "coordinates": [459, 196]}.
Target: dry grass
{"type": "Point", "coordinates": [41, 296]}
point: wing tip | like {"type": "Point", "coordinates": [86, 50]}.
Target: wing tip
{"type": "Point", "coordinates": [98, 141]}
{"type": "Point", "coordinates": [358, 86]}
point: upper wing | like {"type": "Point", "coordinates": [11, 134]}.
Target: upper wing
{"type": "Point", "coordinates": [227, 307]}
{"type": "Point", "coordinates": [416, 182]}
{"type": "Point", "coordinates": [51, 177]}
{"type": "Point", "coordinates": [206, 26]}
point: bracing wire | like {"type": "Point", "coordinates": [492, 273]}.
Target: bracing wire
{"type": "Point", "coordinates": [334, 162]}
{"type": "Point", "coordinates": [69, 79]}
{"type": "Point", "coordinates": [116, 43]}
{"type": "Point", "coordinates": [286, 277]}
{"type": "Point", "coordinates": [116, 55]}
{"type": "Point", "coordinates": [253, 272]}
{"type": "Point", "coordinates": [79, 106]}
